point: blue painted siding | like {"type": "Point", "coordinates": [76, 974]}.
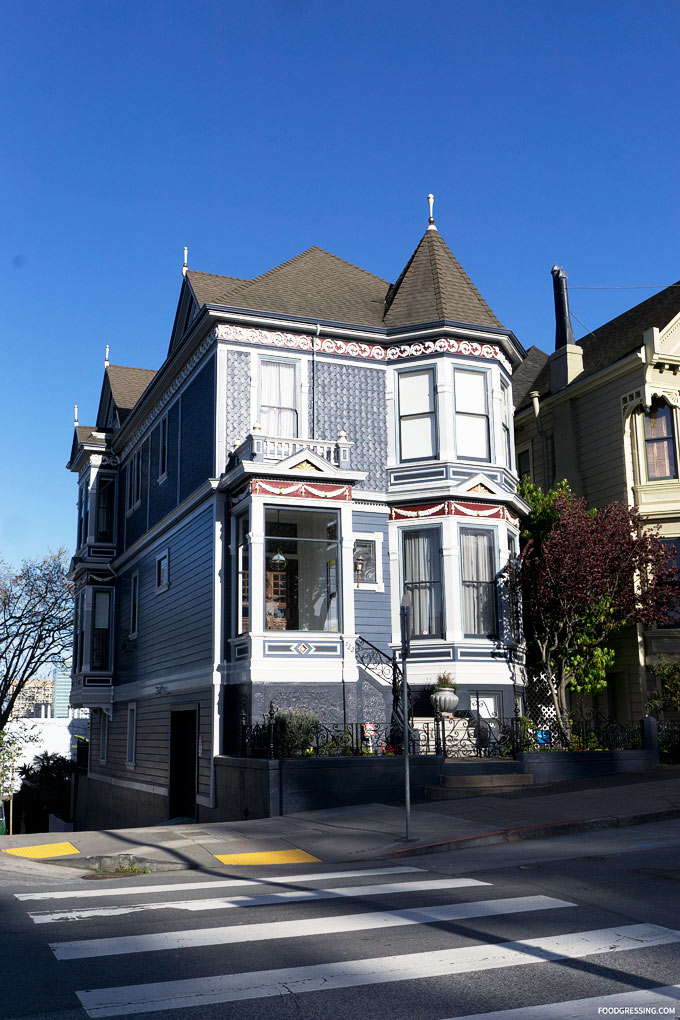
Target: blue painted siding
{"type": "Point", "coordinates": [352, 397]}
{"type": "Point", "coordinates": [197, 440]}
{"type": "Point", "coordinates": [136, 521]}
{"type": "Point", "coordinates": [163, 495]}
{"type": "Point", "coordinates": [175, 626]}
{"type": "Point", "coordinates": [372, 608]}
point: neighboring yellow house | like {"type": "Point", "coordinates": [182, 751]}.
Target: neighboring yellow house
{"type": "Point", "coordinates": [604, 413]}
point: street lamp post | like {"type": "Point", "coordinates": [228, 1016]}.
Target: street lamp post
{"type": "Point", "coordinates": [405, 620]}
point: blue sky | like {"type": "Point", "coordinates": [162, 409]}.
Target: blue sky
{"type": "Point", "coordinates": [251, 131]}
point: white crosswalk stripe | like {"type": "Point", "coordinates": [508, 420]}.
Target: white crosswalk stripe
{"type": "Point", "coordinates": [300, 928]}
{"type": "Point", "coordinates": [666, 999]}
{"type": "Point", "coordinates": [225, 902]}
{"type": "Point", "coordinates": [215, 883]}
{"type": "Point", "coordinates": [148, 998]}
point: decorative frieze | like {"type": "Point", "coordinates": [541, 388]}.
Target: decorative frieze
{"type": "Point", "coordinates": [453, 508]}
{"type": "Point", "coordinates": [354, 349]}
{"type": "Point", "coordinates": [301, 490]}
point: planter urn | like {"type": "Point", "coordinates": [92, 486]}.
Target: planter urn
{"type": "Point", "coordinates": [446, 701]}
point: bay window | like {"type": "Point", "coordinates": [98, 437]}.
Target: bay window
{"type": "Point", "coordinates": [660, 443]}
{"type": "Point", "coordinates": [302, 570]}
{"type": "Point", "coordinates": [478, 574]}
{"type": "Point", "coordinates": [106, 489]}
{"type": "Point", "coordinates": [472, 415]}
{"type": "Point", "coordinates": [421, 561]}
{"type": "Point", "coordinates": [243, 577]}
{"type": "Point", "coordinates": [417, 415]}
{"type": "Point", "coordinates": [278, 398]}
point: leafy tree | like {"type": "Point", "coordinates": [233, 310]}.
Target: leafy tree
{"type": "Point", "coordinates": [36, 623]}
{"type": "Point", "coordinates": [584, 575]}
{"type": "Point", "coordinates": [666, 674]}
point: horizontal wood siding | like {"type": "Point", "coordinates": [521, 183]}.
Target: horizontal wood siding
{"type": "Point", "coordinates": [197, 441]}
{"type": "Point", "coordinates": [175, 629]}
{"type": "Point", "coordinates": [372, 608]}
{"type": "Point", "coordinates": [598, 432]}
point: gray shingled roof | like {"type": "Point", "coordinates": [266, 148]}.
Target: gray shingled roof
{"type": "Point", "coordinates": [127, 386]}
{"type": "Point", "coordinates": [84, 435]}
{"type": "Point", "coordinates": [434, 286]}
{"type": "Point", "coordinates": [318, 285]}
{"type": "Point", "coordinates": [613, 340]}
{"type": "Point", "coordinates": [524, 376]}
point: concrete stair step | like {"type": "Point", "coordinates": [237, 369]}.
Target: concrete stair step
{"type": "Point", "coordinates": [455, 787]}
{"type": "Point", "coordinates": [482, 766]}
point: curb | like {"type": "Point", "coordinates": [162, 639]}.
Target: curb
{"type": "Point", "coordinates": [523, 832]}
{"type": "Point", "coordinates": [112, 864]}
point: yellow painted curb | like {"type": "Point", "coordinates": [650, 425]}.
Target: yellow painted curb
{"type": "Point", "coordinates": [269, 857]}
{"type": "Point", "coordinates": [43, 850]}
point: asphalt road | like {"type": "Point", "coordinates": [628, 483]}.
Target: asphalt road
{"type": "Point", "coordinates": [523, 931]}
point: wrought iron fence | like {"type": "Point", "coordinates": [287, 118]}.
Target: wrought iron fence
{"type": "Point", "coordinates": [669, 741]}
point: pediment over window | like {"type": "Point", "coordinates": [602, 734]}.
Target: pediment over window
{"type": "Point", "coordinates": [480, 485]}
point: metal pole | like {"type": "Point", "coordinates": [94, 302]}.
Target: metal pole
{"type": "Point", "coordinates": [405, 618]}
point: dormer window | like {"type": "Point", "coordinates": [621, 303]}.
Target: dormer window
{"type": "Point", "coordinates": [660, 443]}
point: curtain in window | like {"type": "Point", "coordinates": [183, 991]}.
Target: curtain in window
{"type": "Point", "coordinates": [660, 443]}
{"type": "Point", "coordinates": [278, 403]}
{"type": "Point", "coordinates": [479, 583]}
{"type": "Point", "coordinates": [422, 579]}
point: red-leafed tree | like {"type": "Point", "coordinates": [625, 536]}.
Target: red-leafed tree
{"type": "Point", "coordinates": [583, 576]}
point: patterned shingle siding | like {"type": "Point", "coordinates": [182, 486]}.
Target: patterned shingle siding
{"type": "Point", "coordinates": [175, 626]}
{"type": "Point", "coordinates": [352, 398]}
{"type": "Point", "coordinates": [197, 440]}
{"type": "Point", "coordinates": [372, 608]}
{"type": "Point", "coordinates": [238, 398]}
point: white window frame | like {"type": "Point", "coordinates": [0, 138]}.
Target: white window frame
{"type": "Point", "coordinates": [493, 531]}
{"type": "Point", "coordinates": [487, 415]}
{"type": "Point", "coordinates": [131, 736]}
{"type": "Point", "coordinates": [431, 370]}
{"type": "Point", "coordinates": [506, 423]}
{"type": "Point", "coordinates": [163, 449]}
{"type": "Point", "coordinates": [93, 627]}
{"type": "Point", "coordinates": [401, 533]}
{"type": "Point", "coordinates": [103, 735]}
{"type": "Point", "coordinates": [134, 605]}
{"type": "Point", "coordinates": [377, 538]}
{"type": "Point", "coordinates": [295, 362]}
{"type": "Point", "coordinates": [83, 512]}
{"type": "Point", "coordinates": [672, 441]}
{"type": "Point", "coordinates": [164, 555]}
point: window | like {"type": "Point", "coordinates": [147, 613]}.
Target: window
{"type": "Point", "coordinates": [83, 513]}
{"type": "Point", "coordinates": [163, 571]}
{"type": "Point", "coordinates": [243, 580]}
{"type": "Point", "coordinates": [101, 630]}
{"type": "Point", "coordinates": [302, 575]}
{"type": "Point", "coordinates": [131, 748]}
{"type": "Point", "coordinates": [417, 415]}
{"type": "Point", "coordinates": [134, 481]}
{"type": "Point", "coordinates": [505, 425]}
{"type": "Point", "coordinates": [472, 416]}
{"type": "Point", "coordinates": [163, 449]}
{"type": "Point", "coordinates": [660, 443]}
{"type": "Point", "coordinates": [278, 398]}
{"type": "Point", "coordinates": [524, 465]}
{"type": "Point", "coordinates": [134, 604]}
{"type": "Point", "coordinates": [106, 490]}
{"type": "Point", "coordinates": [79, 632]}
{"type": "Point", "coordinates": [421, 550]}
{"type": "Point", "coordinates": [103, 735]}
{"type": "Point", "coordinates": [479, 582]}
{"type": "Point", "coordinates": [672, 547]}
{"type": "Point", "coordinates": [364, 561]}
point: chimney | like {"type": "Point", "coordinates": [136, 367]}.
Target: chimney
{"type": "Point", "coordinates": [566, 363]}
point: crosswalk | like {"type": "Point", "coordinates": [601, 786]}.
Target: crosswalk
{"type": "Point", "coordinates": [333, 941]}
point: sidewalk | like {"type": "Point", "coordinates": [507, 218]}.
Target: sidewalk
{"type": "Point", "coordinates": [367, 831]}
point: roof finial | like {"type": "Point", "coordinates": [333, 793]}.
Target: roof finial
{"type": "Point", "coordinates": [106, 357]}
{"type": "Point", "coordinates": [185, 266]}
{"type": "Point", "coordinates": [75, 415]}
{"type": "Point", "coordinates": [430, 199]}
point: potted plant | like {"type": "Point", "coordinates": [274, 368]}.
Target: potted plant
{"type": "Point", "coordinates": [444, 697]}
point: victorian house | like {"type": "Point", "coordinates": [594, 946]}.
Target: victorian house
{"type": "Point", "coordinates": [317, 442]}
{"type": "Point", "coordinates": [604, 413]}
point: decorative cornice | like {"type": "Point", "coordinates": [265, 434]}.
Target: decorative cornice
{"type": "Point", "coordinates": [302, 490]}
{"type": "Point", "coordinates": [169, 393]}
{"type": "Point", "coordinates": [361, 351]}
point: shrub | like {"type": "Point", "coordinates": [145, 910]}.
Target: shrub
{"type": "Point", "coordinates": [294, 732]}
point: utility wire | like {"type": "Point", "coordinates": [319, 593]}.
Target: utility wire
{"type": "Point", "coordinates": [645, 286]}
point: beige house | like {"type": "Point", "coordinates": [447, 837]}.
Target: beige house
{"type": "Point", "coordinates": [604, 413]}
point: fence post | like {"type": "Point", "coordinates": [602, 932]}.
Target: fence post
{"type": "Point", "coordinates": [270, 723]}
{"type": "Point", "coordinates": [650, 736]}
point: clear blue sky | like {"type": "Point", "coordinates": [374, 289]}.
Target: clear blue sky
{"type": "Point", "coordinates": [548, 133]}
